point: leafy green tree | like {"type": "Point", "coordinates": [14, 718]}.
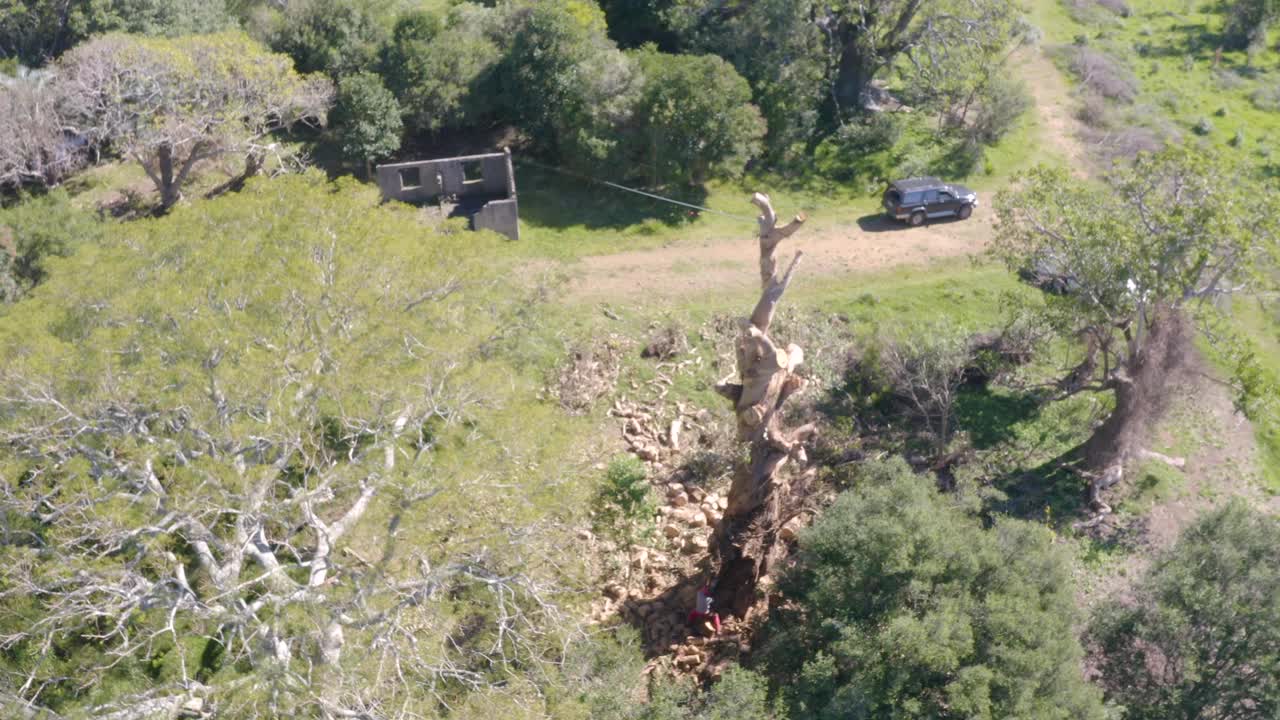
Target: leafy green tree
{"type": "Point", "coordinates": [778, 48]}
{"type": "Point", "coordinates": [863, 38]}
{"type": "Point", "coordinates": [1139, 258]}
{"type": "Point", "coordinates": [338, 37]}
{"type": "Point", "coordinates": [565, 82]}
{"type": "Point", "coordinates": [633, 23]}
{"type": "Point", "coordinates": [1247, 21]}
{"type": "Point", "coordinates": [686, 133]}
{"type": "Point", "coordinates": [366, 117]}
{"type": "Point", "coordinates": [169, 104]}
{"type": "Point", "coordinates": [442, 73]}
{"type": "Point", "coordinates": [1200, 636]}
{"type": "Point", "coordinates": [908, 607]}
{"type": "Point", "coordinates": [39, 30]}
{"type": "Point", "coordinates": [34, 231]}
{"type": "Point", "coordinates": [246, 456]}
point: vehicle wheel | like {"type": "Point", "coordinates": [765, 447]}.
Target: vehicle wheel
{"type": "Point", "coordinates": [966, 211]}
{"type": "Point", "coordinates": [917, 219]}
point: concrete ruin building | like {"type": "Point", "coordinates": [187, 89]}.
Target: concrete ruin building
{"type": "Point", "coordinates": [479, 187]}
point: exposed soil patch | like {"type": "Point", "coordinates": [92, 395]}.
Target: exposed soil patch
{"type": "Point", "coordinates": [850, 245]}
{"type": "Point", "coordinates": [1061, 130]}
{"type": "Point", "coordinates": [1222, 463]}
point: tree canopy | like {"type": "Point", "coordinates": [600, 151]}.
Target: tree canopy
{"type": "Point", "coordinates": [236, 441]}
{"type": "Point", "coordinates": [689, 134]}
{"type": "Point", "coordinates": [1141, 260]}
{"type": "Point", "coordinates": [168, 104]}
{"type": "Point", "coordinates": [367, 118]}
{"type": "Point", "coordinates": [1200, 637]}
{"type": "Point", "coordinates": [910, 608]}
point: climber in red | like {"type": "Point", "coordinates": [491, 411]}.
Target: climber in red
{"type": "Point", "coordinates": [701, 617]}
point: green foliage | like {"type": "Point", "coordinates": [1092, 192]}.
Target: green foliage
{"type": "Point", "coordinates": [860, 148]}
{"type": "Point", "coordinates": [565, 82]}
{"type": "Point", "coordinates": [39, 30]}
{"type": "Point", "coordinates": [1001, 102]}
{"type": "Point", "coordinates": [338, 37]}
{"type": "Point", "coordinates": [911, 608]}
{"type": "Point", "coordinates": [367, 118]}
{"type": "Point", "coordinates": [781, 51]}
{"type": "Point", "coordinates": [685, 133]}
{"type": "Point", "coordinates": [1248, 20]}
{"type": "Point", "coordinates": [35, 230]}
{"type": "Point", "coordinates": [625, 504]}
{"type": "Point", "coordinates": [1201, 635]}
{"type": "Point", "coordinates": [171, 103]}
{"type": "Point", "coordinates": [442, 73]}
{"type": "Point", "coordinates": [278, 323]}
{"type": "Point", "coordinates": [1179, 206]}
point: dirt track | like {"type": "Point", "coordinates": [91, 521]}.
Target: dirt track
{"type": "Point", "coordinates": [854, 245]}
{"type": "Point", "coordinates": [833, 245]}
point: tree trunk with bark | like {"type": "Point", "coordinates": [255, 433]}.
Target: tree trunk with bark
{"type": "Point", "coordinates": [746, 539]}
{"type": "Point", "coordinates": [1141, 386]}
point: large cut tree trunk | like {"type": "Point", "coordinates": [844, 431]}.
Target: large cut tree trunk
{"type": "Point", "coordinates": [1141, 389]}
{"type": "Point", "coordinates": [746, 539]}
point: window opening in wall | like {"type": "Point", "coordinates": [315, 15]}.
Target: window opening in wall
{"type": "Point", "coordinates": [472, 171]}
{"type": "Point", "coordinates": [410, 178]}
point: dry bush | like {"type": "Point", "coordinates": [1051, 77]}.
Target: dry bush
{"type": "Point", "coordinates": [590, 373]}
{"type": "Point", "coordinates": [1267, 98]}
{"type": "Point", "coordinates": [1103, 74]}
{"type": "Point", "coordinates": [1094, 111]}
{"type": "Point", "coordinates": [666, 343]}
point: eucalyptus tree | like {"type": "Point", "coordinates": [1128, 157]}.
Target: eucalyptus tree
{"type": "Point", "coordinates": [1143, 257]}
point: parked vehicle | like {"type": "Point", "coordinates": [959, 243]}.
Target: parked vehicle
{"type": "Point", "coordinates": [918, 199]}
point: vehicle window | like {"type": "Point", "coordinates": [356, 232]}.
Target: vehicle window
{"type": "Point", "coordinates": [931, 196]}
{"type": "Point", "coordinates": [945, 197]}
{"type": "Point", "coordinates": [911, 198]}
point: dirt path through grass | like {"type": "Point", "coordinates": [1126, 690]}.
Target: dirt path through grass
{"type": "Point", "coordinates": [1060, 129]}
{"type": "Point", "coordinates": [834, 247]}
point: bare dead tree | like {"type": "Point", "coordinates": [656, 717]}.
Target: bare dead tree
{"type": "Point", "coordinates": [746, 539]}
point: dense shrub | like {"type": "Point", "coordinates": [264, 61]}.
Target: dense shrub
{"type": "Point", "coordinates": [366, 118]}
{"type": "Point", "coordinates": [685, 133]}
{"type": "Point", "coordinates": [1103, 74]}
{"type": "Point", "coordinates": [565, 82]}
{"type": "Point", "coordinates": [1200, 635]}
{"type": "Point", "coordinates": [1000, 103]}
{"type": "Point", "coordinates": [908, 607]}
{"type": "Point", "coordinates": [338, 37]}
{"type": "Point", "coordinates": [440, 70]}
{"type": "Point", "coordinates": [1094, 111]}
{"type": "Point", "coordinates": [1267, 98]}
{"type": "Point", "coordinates": [854, 148]}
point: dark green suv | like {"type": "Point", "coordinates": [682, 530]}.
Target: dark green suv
{"type": "Point", "coordinates": [919, 199]}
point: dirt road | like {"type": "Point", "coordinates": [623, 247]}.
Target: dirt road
{"type": "Point", "coordinates": [835, 245]}
{"type": "Point", "coordinates": [831, 246]}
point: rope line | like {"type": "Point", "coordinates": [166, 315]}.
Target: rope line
{"type": "Point", "coordinates": [616, 186]}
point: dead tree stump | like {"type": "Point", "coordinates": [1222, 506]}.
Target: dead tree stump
{"type": "Point", "coordinates": [747, 537]}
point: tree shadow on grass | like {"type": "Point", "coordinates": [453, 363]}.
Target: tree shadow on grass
{"type": "Point", "coordinates": [990, 417]}
{"type": "Point", "coordinates": [551, 199]}
{"type": "Point", "coordinates": [1051, 492]}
